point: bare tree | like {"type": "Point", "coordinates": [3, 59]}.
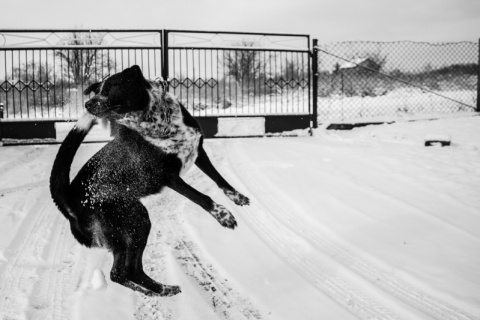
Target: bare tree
{"type": "Point", "coordinates": [29, 71]}
{"type": "Point", "coordinates": [244, 65]}
{"type": "Point", "coordinates": [294, 69]}
{"type": "Point", "coordinates": [82, 65]}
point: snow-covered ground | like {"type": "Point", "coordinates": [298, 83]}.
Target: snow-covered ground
{"type": "Point", "coordinates": [402, 102]}
{"type": "Point", "coordinates": [361, 224]}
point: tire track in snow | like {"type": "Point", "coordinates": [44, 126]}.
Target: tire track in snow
{"type": "Point", "coordinates": [155, 307]}
{"type": "Point", "coordinates": [56, 279]}
{"type": "Point", "coordinates": [29, 155]}
{"type": "Point", "coordinates": [37, 275]}
{"type": "Point", "coordinates": [297, 253]}
{"type": "Point", "coordinates": [388, 282]}
{"type": "Point", "coordinates": [43, 293]}
{"type": "Point", "coordinates": [46, 266]}
{"type": "Point", "coordinates": [24, 187]}
{"type": "Point", "coordinates": [32, 154]}
{"type": "Point", "coordinates": [226, 302]}
{"type": "Point", "coordinates": [154, 265]}
{"type": "Point", "coordinates": [66, 264]}
{"type": "Point", "coordinates": [217, 293]}
{"type": "Point", "coordinates": [24, 258]}
{"type": "Point", "coordinates": [373, 190]}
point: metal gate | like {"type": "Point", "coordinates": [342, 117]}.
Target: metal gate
{"type": "Point", "coordinates": [221, 77]}
{"type": "Point", "coordinates": [241, 80]}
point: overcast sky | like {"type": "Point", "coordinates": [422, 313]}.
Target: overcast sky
{"type": "Point", "coordinates": [327, 20]}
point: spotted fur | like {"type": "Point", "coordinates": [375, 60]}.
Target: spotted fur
{"type": "Point", "coordinates": [162, 125]}
{"type": "Point", "coordinates": [223, 216]}
{"type": "Point", "coordinates": [236, 197]}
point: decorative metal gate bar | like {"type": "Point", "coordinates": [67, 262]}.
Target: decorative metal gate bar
{"type": "Point", "coordinates": [216, 75]}
{"type": "Point", "coordinates": [43, 73]}
{"type": "Point", "coordinates": [237, 74]}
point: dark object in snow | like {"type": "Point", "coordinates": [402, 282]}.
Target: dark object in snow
{"type": "Point", "coordinates": [156, 142]}
{"type": "Point", "coordinates": [437, 139]}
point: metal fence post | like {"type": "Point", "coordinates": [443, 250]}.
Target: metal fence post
{"type": "Point", "coordinates": [478, 78]}
{"type": "Point", "coordinates": [165, 70]}
{"type": "Point", "coordinates": [315, 82]}
{"type": "Point", "coordinates": [1, 117]}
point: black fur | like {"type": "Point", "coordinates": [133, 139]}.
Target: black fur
{"type": "Point", "coordinates": [102, 202]}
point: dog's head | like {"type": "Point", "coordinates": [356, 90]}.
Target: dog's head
{"type": "Point", "coordinates": [119, 94]}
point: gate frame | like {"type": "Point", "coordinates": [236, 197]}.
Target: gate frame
{"type": "Point", "coordinates": [274, 123]}
{"type": "Point", "coordinates": [41, 128]}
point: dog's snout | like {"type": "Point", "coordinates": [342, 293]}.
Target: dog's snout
{"type": "Point", "coordinates": [94, 103]}
{"type": "Point", "coordinates": [90, 104]}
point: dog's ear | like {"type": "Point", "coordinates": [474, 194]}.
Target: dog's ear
{"type": "Point", "coordinates": [133, 72]}
{"type": "Point", "coordinates": [92, 88]}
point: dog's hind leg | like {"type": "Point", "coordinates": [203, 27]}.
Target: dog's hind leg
{"type": "Point", "coordinates": [136, 279]}
{"type": "Point", "coordinates": [118, 273]}
{"type": "Point", "coordinates": [219, 212]}
{"type": "Point", "coordinates": [128, 248]}
{"type": "Point", "coordinates": [204, 163]}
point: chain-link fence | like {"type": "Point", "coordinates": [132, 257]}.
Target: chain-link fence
{"type": "Point", "coordinates": [368, 81]}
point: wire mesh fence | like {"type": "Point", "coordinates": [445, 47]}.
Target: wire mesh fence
{"type": "Point", "coordinates": [368, 81]}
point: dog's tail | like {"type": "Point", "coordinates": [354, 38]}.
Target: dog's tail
{"type": "Point", "coordinates": [60, 176]}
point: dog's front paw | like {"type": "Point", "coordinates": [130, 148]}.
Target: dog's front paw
{"type": "Point", "coordinates": [223, 216]}
{"type": "Point", "coordinates": [238, 198]}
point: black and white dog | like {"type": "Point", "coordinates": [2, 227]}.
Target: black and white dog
{"type": "Point", "coordinates": [157, 141]}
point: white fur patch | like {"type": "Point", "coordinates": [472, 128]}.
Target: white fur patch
{"type": "Point", "coordinates": [184, 143]}
{"type": "Point", "coordinates": [85, 123]}
{"type": "Point", "coordinates": [172, 135]}
{"type": "Point", "coordinates": [101, 87]}
{"type": "Point", "coordinates": [97, 234]}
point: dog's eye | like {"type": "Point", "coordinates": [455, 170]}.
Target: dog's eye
{"type": "Point", "coordinates": [106, 88]}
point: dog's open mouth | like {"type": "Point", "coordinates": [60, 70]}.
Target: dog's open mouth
{"type": "Point", "coordinates": [105, 112]}
{"type": "Point", "coordinates": [110, 109]}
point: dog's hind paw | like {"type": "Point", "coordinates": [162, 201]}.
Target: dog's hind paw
{"type": "Point", "coordinates": [150, 289]}
{"type": "Point", "coordinates": [169, 291]}
{"type": "Point", "coordinates": [165, 291]}
{"type": "Point", "coordinates": [238, 198]}
{"type": "Point", "coordinates": [223, 216]}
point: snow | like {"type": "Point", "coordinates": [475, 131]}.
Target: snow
{"type": "Point", "coordinates": [399, 104]}
{"type": "Point", "coordinates": [437, 137]}
{"type": "Point", "coordinates": [245, 126]}
{"type": "Point", "coordinates": [360, 224]}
